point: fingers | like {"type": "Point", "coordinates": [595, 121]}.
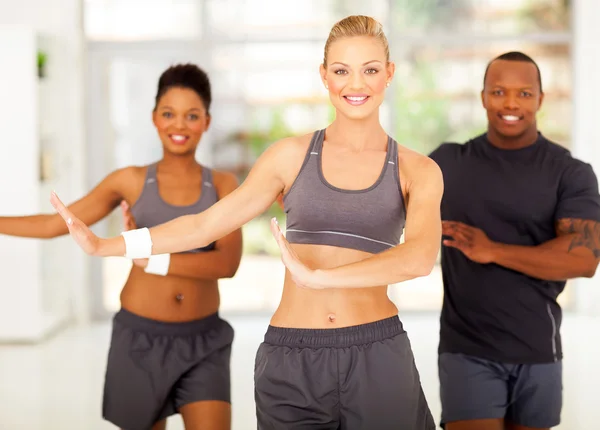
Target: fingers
{"type": "Point", "coordinates": [124, 208]}
{"type": "Point", "coordinates": [458, 244]}
{"type": "Point", "coordinates": [128, 221]}
{"type": "Point", "coordinates": [457, 230]}
{"type": "Point", "coordinates": [276, 230]}
{"type": "Point", "coordinates": [62, 210]}
{"type": "Point", "coordinates": [458, 236]}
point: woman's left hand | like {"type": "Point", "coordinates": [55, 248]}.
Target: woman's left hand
{"type": "Point", "coordinates": [301, 274]}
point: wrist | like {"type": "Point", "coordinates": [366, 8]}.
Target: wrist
{"type": "Point", "coordinates": [321, 278]}
{"type": "Point", "coordinates": [100, 248]}
{"type": "Point", "coordinates": [158, 264]}
{"type": "Point", "coordinates": [496, 250]}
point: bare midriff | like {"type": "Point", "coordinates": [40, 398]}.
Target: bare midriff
{"type": "Point", "coordinates": [335, 307]}
{"type": "Point", "coordinates": [169, 298]}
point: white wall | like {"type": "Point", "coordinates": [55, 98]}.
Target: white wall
{"type": "Point", "coordinates": [586, 142]}
{"type": "Point", "coordinates": [62, 266]}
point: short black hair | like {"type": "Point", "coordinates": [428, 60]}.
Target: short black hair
{"type": "Point", "coordinates": [515, 56]}
{"type": "Point", "coordinates": [185, 76]}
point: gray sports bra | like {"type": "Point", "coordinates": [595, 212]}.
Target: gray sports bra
{"type": "Point", "coordinates": [370, 220]}
{"type": "Point", "coordinates": [151, 210]}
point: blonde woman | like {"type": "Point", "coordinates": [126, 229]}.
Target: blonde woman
{"type": "Point", "coordinates": [335, 354]}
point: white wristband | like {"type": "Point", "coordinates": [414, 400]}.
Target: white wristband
{"type": "Point", "coordinates": [158, 264]}
{"type": "Point", "coordinates": [138, 243]}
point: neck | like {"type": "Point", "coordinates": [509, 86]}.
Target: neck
{"type": "Point", "coordinates": [358, 134]}
{"type": "Point", "coordinates": [178, 163]}
{"type": "Point", "coordinates": [526, 139]}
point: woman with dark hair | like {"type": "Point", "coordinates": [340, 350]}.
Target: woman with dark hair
{"type": "Point", "coordinates": [170, 350]}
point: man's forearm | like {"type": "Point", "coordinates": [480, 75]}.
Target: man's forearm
{"type": "Point", "coordinates": [552, 261]}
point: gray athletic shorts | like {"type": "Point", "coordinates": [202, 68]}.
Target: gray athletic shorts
{"type": "Point", "coordinates": [154, 368]}
{"type": "Point", "coordinates": [354, 378]}
{"type": "Point", "coordinates": [526, 394]}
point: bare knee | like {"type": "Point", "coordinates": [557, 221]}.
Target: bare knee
{"type": "Point", "coordinates": [491, 424]}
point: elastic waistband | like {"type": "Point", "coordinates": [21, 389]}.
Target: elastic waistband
{"type": "Point", "coordinates": [186, 328]}
{"type": "Point", "coordinates": [336, 337]}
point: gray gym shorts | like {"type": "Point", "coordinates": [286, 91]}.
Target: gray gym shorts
{"type": "Point", "coordinates": [154, 367]}
{"type": "Point", "coordinates": [354, 378]}
{"type": "Point", "coordinates": [474, 388]}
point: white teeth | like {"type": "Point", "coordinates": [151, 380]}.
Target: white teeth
{"type": "Point", "coordinates": [356, 99]}
{"type": "Point", "coordinates": [510, 117]}
{"type": "Point", "coordinates": [178, 137]}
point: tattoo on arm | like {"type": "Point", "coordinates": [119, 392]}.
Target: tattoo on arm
{"type": "Point", "coordinates": [587, 233]}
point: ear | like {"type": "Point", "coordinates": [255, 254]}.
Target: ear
{"type": "Point", "coordinates": [391, 70]}
{"type": "Point", "coordinates": [541, 101]}
{"type": "Point", "coordinates": [208, 121]}
{"type": "Point", "coordinates": [323, 73]}
{"type": "Point", "coordinates": [154, 115]}
{"type": "Point", "coordinates": [483, 98]}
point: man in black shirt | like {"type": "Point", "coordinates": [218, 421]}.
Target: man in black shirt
{"type": "Point", "coordinates": [521, 216]}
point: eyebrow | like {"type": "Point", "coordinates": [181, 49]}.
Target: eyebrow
{"type": "Point", "coordinates": [527, 87]}
{"type": "Point", "coordinates": [364, 64]}
{"type": "Point", "coordinates": [169, 107]}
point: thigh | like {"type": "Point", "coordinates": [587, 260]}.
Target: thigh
{"type": "Point", "coordinates": [136, 391]}
{"type": "Point", "coordinates": [380, 387]}
{"type": "Point", "coordinates": [512, 426]}
{"type": "Point", "coordinates": [207, 415]}
{"type": "Point", "coordinates": [161, 425]}
{"type": "Point", "coordinates": [494, 424]}
{"type": "Point", "coordinates": [536, 396]}
{"type": "Point", "coordinates": [472, 389]}
{"type": "Point", "coordinates": [296, 388]}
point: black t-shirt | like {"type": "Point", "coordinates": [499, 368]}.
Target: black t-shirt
{"type": "Point", "coordinates": [515, 197]}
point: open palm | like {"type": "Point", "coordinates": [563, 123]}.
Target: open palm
{"type": "Point", "coordinates": [302, 276]}
{"type": "Point", "coordinates": [84, 237]}
{"type": "Point", "coordinates": [130, 224]}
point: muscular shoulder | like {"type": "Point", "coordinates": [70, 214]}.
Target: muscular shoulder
{"type": "Point", "coordinates": [445, 150]}
{"type": "Point", "coordinates": [127, 178]}
{"type": "Point", "coordinates": [418, 170]}
{"type": "Point", "coordinates": [577, 173]}
{"type": "Point", "coordinates": [287, 156]}
{"type": "Point", "coordinates": [573, 169]}
{"type": "Point", "coordinates": [291, 148]}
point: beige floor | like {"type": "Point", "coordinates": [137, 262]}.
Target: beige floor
{"type": "Point", "coordinates": [58, 385]}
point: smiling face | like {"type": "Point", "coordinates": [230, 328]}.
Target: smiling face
{"type": "Point", "coordinates": [512, 97]}
{"type": "Point", "coordinates": [181, 119]}
{"type": "Point", "coordinates": [356, 74]}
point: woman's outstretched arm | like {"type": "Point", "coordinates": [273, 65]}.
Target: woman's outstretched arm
{"type": "Point", "coordinates": [91, 208]}
{"type": "Point", "coordinates": [260, 189]}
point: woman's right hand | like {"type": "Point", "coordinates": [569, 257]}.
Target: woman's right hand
{"type": "Point", "coordinates": [130, 224]}
{"type": "Point", "coordinates": [84, 237]}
